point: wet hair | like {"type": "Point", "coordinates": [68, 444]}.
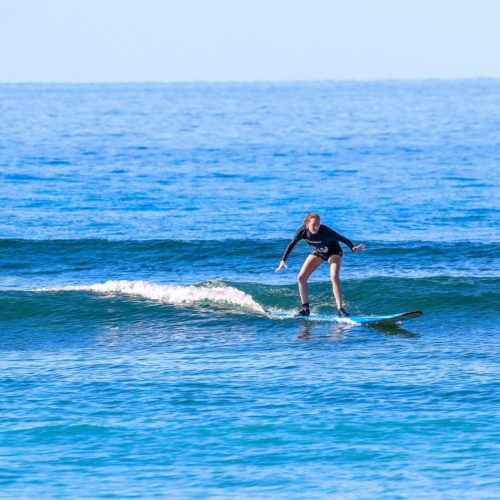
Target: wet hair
{"type": "Point", "coordinates": [309, 216]}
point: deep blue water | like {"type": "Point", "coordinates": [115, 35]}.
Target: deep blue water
{"type": "Point", "coordinates": [140, 230]}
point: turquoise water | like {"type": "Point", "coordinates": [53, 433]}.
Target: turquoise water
{"type": "Point", "coordinates": [141, 227]}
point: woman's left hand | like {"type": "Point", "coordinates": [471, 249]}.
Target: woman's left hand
{"type": "Point", "coordinates": [359, 248]}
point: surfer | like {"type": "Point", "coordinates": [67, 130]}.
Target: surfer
{"type": "Point", "coordinates": [326, 243]}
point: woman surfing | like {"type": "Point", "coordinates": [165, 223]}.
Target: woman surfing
{"type": "Point", "coordinates": [326, 243]}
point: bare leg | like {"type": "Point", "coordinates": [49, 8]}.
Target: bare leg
{"type": "Point", "coordinates": [310, 265]}
{"type": "Point", "coordinates": [335, 261]}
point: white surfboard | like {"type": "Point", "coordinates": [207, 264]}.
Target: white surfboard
{"type": "Point", "coordinates": [363, 320]}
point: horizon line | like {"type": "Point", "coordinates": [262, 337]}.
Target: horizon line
{"type": "Point", "coordinates": [256, 81]}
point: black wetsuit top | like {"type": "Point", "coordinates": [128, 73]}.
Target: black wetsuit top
{"type": "Point", "coordinates": [325, 242]}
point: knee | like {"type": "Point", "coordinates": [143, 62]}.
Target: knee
{"type": "Point", "coordinates": [335, 276]}
{"type": "Point", "coordinates": [302, 278]}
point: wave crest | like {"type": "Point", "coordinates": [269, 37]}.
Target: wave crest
{"type": "Point", "coordinates": [216, 292]}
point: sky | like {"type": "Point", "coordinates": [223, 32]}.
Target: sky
{"type": "Point", "coordinates": [247, 40]}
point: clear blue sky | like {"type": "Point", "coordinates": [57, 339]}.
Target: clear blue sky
{"type": "Point", "coordinates": [221, 40]}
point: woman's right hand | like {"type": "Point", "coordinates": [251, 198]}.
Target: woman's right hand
{"type": "Point", "coordinates": [280, 267]}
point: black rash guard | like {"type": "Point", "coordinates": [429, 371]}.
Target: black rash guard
{"type": "Point", "coordinates": [325, 242]}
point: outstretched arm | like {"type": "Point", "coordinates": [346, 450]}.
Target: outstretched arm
{"type": "Point", "coordinates": [299, 234]}
{"type": "Point", "coordinates": [348, 242]}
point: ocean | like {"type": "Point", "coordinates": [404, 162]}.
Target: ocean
{"type": "Point", "coordinates": [141, 226]}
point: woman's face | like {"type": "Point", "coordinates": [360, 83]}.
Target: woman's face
{"type": "Point", "coordinates": [313, 226]}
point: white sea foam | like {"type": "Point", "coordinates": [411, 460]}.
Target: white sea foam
{"type": "Point", "coordinates": [215, 292]}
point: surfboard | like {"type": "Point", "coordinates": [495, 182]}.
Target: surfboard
{"type": "Point", "coordinates": [363, 320]}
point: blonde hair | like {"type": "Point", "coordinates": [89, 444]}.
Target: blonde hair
{"type": "Point", "coordinates": [309, 216]}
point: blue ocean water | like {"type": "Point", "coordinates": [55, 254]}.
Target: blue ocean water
{"type": "Point", "coordinates": [140, 230]}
